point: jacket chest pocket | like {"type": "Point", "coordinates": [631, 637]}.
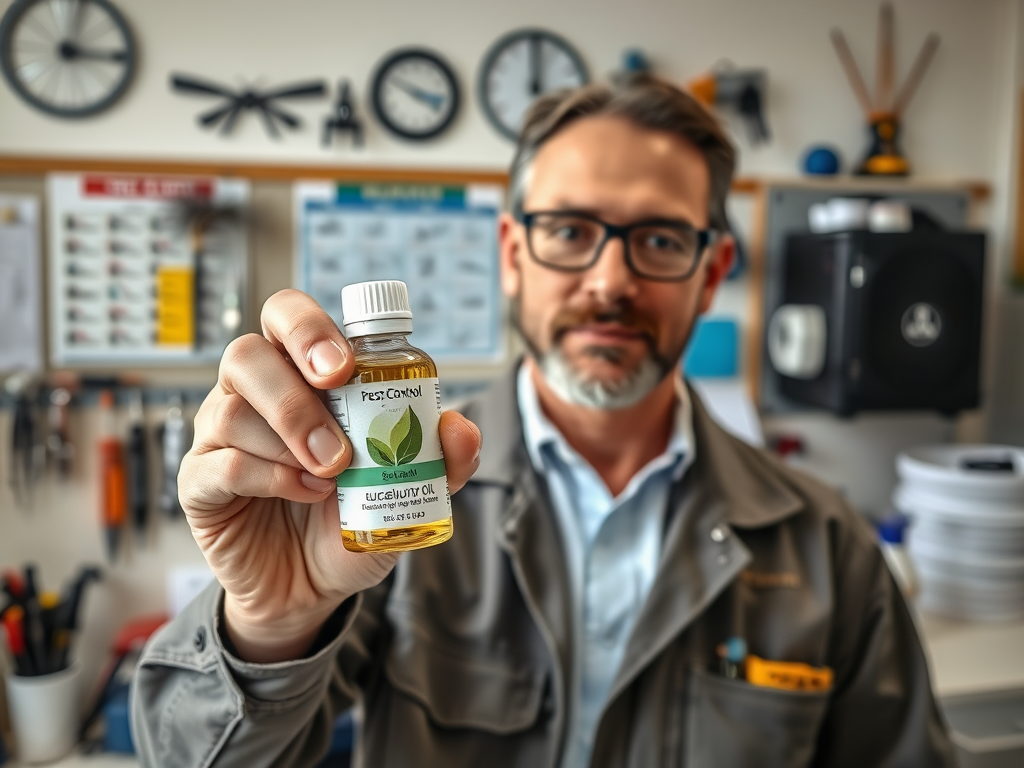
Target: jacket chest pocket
{"type": "Point", "coordinates": [460, 690]}
{"type": "Point", "coordinates": [735, 724]}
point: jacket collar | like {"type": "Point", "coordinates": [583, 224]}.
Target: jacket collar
{"type": "Point", "coordinates": [752, 491]}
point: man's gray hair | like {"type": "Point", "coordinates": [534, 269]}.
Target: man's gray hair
{"type": "Point", "coordinates": [649, 103]}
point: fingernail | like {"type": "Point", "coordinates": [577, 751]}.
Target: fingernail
{"type": "Point", "coordinates": [326, 358]}
{"type": "Point", "coordinates": [325, 446]}
{"type": "Point", "coordinates": [318, 484]}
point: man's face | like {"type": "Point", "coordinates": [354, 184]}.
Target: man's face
{"type": "Point", "coordinates": [606, 326]}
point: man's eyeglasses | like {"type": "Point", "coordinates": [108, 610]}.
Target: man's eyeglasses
{"type": "Point", "coordinates": [656, 249]}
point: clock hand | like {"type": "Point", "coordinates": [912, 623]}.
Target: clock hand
{"type": "Point", "coordinates": [433, 100]}
{"type": "Point", "coordinates": [69, 50]}
{"type": "Point", "coordinates": [535, 84]}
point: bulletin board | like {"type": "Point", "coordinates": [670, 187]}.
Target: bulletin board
{"type": "Point", "coordinates": [440, 239]}
{"type": "Point", "coordinates": [129, 282]}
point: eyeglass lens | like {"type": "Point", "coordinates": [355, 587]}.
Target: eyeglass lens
{"type": "Point", "coordinates": [569, 242]}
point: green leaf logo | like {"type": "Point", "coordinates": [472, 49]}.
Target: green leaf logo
{"type": "Point", "coordinates": [392, 445]}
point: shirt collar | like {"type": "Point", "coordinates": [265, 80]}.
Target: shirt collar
{"type": "Point", "coordinates": [539, 432]}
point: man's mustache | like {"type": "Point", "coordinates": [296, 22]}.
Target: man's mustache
{"type": "Point", "coordinates": [625, 315]}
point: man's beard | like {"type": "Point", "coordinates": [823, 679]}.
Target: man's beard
{"type": "Point", "coordinates": [572, 385]}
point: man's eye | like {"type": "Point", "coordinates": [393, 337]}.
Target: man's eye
{"type": "Point", "coordinates": [568, 232]}
{"type": "Point", "coordinates": [660, 242]}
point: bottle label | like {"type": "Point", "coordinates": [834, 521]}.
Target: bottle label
{"type": "Point", "coordinates": [396, 478]}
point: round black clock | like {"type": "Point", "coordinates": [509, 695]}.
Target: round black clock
{"type": "Point", "coordinates": [71, 59]}
{"type": "Point", "coordinates": [415, 94]}
{"type": "Point", "coordinates": [521, 66]}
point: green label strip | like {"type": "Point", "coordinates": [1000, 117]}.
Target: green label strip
{"type": "Point", "coordinates": [407, 473]}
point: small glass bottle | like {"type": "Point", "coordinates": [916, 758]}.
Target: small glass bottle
{"type": "Point", "coordinates": [394, 495]}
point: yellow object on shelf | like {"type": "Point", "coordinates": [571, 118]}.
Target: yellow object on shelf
{"type": "Point", "coordinates": [175, 299]}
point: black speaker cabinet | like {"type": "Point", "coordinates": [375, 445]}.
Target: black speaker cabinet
{"type": "Point", "coordinates": [895, 317]}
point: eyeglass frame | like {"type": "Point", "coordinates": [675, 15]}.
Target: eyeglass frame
{"type": "Point", "coordinates": [622, 232]}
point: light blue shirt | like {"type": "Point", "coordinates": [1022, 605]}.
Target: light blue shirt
{"type": "Point", "coordinates": [612, 548]}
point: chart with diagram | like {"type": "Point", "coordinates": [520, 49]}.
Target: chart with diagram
{"type": "Point", "coordinates": [145, 268]}
{"type": "Point", "coordinates": [441, 240]}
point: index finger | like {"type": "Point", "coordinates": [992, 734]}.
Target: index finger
{"type": "Point", "coordinates": [297, 326]}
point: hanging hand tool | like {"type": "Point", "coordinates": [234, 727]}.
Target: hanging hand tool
{"type": "Point", "coordinates": [742, 90]}
{"type": "Point", "coordinates": [138, 465]}
{"type": "Point", "coordinates": [58, 441]}
{"type": "Point", "coordinates": [25, 454]}
{"type": "Point", "coordinates": [175, 443]}
{"type": "Point", "coordinates": [112, 481]}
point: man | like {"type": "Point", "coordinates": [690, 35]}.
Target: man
{"type": "Point", "coordinates": [609, 540]}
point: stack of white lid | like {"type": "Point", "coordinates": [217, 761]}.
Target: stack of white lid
{"type": "Point", "coordinates": [966, 504]}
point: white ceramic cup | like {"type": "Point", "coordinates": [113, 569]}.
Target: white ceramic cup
{"type": "Point", "coordinates": [45, 714]}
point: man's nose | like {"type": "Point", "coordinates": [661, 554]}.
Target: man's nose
{"type": "Point", "coordinates": [610, 278]}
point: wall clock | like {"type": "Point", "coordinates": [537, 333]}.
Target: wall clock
{"type": "Point", "coordinates": [521, 66]}
{"type": "Point", "coordinates": [415, 94]}
{"type": "Point", "coordinates": [70, 59]}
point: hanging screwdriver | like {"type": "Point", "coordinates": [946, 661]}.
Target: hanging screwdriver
{"type": "Point", "coordinates": [138, 465]}
{"type": "Point", "coordinates": [175, 442]}
{"type": "Point", "coordinates": [113, 491]}
{"type": "Point", "coordinates": [58, 441]}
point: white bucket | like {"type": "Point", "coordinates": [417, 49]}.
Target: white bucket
{"type": "Point", "coordinates": [938, 470]}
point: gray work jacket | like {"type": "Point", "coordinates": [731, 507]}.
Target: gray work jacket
{"type": "Point", "coordinates": [462, 656]}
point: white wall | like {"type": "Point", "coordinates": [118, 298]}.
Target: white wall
{"type": "Point", "coordinates": [960, 125]}
{"type": "Point", "coordinates": [948, 126]}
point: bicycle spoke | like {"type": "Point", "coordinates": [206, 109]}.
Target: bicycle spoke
{"type": "Point", "coordinates": [32, 22]}
{"type": "Point", "coordinates": [99, 32]}
{"type": "Point", "coordinates": [58, 12]}
{"type": "Point", "coordinates": [29, 73]}
{"type": "Point", "coordinates": [53, 78]}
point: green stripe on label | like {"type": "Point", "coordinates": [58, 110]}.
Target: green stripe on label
{"type": "Point", "coordinates": [408, 473]}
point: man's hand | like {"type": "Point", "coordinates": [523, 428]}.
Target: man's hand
{"type": "Point", "coordinates": [258, 485]}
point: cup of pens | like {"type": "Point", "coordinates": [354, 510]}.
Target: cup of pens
{"type": "Point", "coordinates": [43, 688]}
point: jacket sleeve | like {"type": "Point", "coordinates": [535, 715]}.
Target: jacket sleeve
{"type": "Point", "coordinates": [194, 704]}
{"type": "Point", "coordinates": [882, 712]}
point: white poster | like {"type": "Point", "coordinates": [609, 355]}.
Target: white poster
{"type": "Point", "coordinates": [441, 240]}
{"type": "Point", "coordinates": [21, 340]}
{"type": "Point", "coordinates": [145, 269]}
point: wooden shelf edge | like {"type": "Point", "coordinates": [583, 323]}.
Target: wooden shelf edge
{"type": "Point", "coordinates": [12, 165]}
{"type": "Point", "coordinates": [17, 165]}
{"type": "Point", "coordinates": [978, 190]}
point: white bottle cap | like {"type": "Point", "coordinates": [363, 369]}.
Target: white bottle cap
{"type": "Point", "coordinates": [379, 306]}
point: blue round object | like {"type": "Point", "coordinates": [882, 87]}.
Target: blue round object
{"type": "Point", "coordinates": [821, 161]}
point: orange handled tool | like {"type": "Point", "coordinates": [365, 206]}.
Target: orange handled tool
{"type": "Point", "coordinates": [14, 624]}
{"type": "Point", "coordinates": [113, 479]}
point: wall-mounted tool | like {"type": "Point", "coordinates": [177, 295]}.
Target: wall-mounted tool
{"type": "Point", "coordinates": [175, 441]}
{"type": "Point", "coordinates": [740, 90]}
{"type": "Point", "coordinates": [28, 454]}
{"type": "Point", "coordinates": [237, 102]}
{"type": "Point", "coordinates": [138, 465]}
{"type": "Point", "coordinates": [343, 120]}
{"type": "Point", "coordinates": [883, 114]}
{"type": "Point", "coordinates": [59, 448]}
{"type": "Point", "coordinates": [112, 480]}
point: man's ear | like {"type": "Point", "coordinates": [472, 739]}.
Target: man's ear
{"type": "Point", "coordinates": [509, 246]}
{"type": "Point", "coordinates": [719, 262]}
